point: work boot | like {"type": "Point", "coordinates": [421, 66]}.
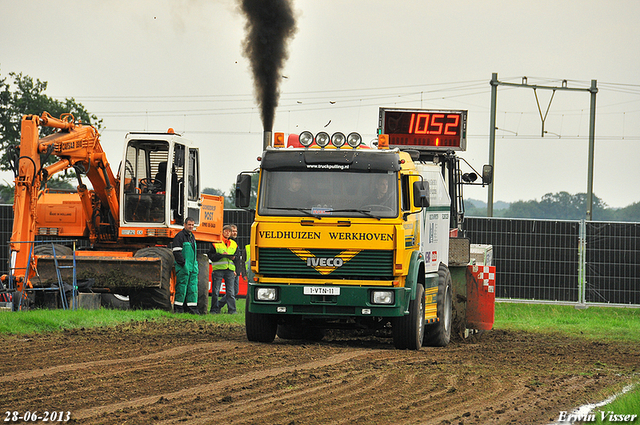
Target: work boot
{"type": "Point", "coordinates": [178, 309]}
{"type": "Point", "coordinates": [193, 310]}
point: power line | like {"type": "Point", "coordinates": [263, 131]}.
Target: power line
{"type": "Point", "coordinates": [518, 138]}
{"type": "Point", "coordinates": [209, 96]}
{"type": "Point", "coordinates": [225, 105]}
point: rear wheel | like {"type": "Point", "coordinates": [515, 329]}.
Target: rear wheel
{"type": "Point", "coordinates": [439, 333]}
{"type": "Point", "coordinates": [260, 327]}
{"type": "Point", "coordinates": [408, 331]}
{"type": "Point", "coordinates": [155, 298]}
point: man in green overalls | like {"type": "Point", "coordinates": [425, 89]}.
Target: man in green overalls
{"type": "Point", "coordinates": [185, 254]}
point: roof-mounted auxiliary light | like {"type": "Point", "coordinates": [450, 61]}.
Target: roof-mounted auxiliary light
{"type": "Point", "coordinates": [338, 139]}
{"type": "Point", "coordinates": [306, 138]}
{"type": "Point", "coordinates": [322, 139]}
{"type": "Point", "coordinates": [354, 140]}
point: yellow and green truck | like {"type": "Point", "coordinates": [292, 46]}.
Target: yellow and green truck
{"type": "Point", "coordinates": [351, 236]}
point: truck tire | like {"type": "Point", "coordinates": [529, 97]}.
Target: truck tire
{"type": "Point", "coordinates": [155, 298]}
{"type": "Point", "coordinates": [46, 249]}
{"type": "Point", "coordinates": [260, 327]}
{"type": "Point", "coordinates": [114, 301]}
{"type": "Point", "coordinates": [439, 333]}
{"type": "Point", "coordinates": [203, 283]}
{"type": "Point", "coordinates": [408, 331]}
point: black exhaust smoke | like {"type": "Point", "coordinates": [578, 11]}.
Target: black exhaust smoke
{"type": "Point", "coordinates": [270, 25]}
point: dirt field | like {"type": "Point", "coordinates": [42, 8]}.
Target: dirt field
{"type": "Point", "coordinates": [188, 371]}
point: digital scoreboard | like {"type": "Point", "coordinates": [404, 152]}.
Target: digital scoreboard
{"type": "Point", "coordinates": [424, 129]}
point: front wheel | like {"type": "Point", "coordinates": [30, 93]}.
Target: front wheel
{"type": "Point", "coordinates": [260, 327]}
{"type": "Point", "coordinates": [155, 298]}
{"type": "Point", "coordinates": [408, 331]}
{"type": "Point", "coordinates": [439, 333]}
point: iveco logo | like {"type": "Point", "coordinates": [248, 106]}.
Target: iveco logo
{"type": "Point", "coordinates": [324, 262]}
{"type": "Point", "coordinates": [324, 265]}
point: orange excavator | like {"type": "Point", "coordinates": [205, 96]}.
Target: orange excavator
{"type": "Point", "coordinates": [115, 235]}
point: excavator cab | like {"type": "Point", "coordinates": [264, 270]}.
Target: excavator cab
{"type": "Point", "coordinates": [159, 180]}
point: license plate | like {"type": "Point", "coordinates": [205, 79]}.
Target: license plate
{"type": "Point", "coordinates": [321, 290]}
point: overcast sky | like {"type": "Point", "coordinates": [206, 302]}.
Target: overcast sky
{"type": "Point", "coordinates": [153, 64]}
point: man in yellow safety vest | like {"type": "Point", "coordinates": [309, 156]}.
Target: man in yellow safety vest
{"type": "Point", "coordinates": [221, 255]}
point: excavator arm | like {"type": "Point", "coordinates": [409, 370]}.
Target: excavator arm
{"type": "Point", "coordinates": [77, 146]}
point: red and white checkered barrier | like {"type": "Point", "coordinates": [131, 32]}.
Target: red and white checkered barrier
{"type": "Point", "coordinates": [485, 275]}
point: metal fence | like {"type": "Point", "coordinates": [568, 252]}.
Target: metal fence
{"type": "Point", "coordinates": [568, 261]}
{"type": "Point", "coordinates": [612, 258]}
{"type": "Point", "coordinates": [243, 219]}
{"type": "Point", "coordinates": [542, 260]}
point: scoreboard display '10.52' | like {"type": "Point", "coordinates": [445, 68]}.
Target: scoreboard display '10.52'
{"type": "Point", "coordinates": [424, 129]}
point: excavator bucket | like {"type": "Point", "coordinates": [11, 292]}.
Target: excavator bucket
{"type": "Point", "coordinates": [110, 272]}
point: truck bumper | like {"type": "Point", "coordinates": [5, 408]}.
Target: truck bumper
{"type": "Point", "coordinates": [353, 301]}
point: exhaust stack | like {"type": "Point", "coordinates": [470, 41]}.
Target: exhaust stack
{"type": "Point", "coordinates": [266, 139]}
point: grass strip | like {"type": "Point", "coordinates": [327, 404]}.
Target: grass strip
{"type": "Point", "coordinates": [593, 323]}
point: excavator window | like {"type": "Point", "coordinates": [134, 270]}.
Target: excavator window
{"type": "Point", "coordinates": [194, 189]}
{"type": "Point", "coordinates": [145, 181]}
{"type": "Point", "coordinates": [177, 192]}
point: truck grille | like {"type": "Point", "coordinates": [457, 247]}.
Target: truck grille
{"type": "Point", "coordinates": [319, 263]}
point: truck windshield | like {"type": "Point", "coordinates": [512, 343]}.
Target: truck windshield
{"type": "Point", "coordinates": [329, 193]}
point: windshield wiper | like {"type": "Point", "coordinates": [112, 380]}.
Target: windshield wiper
{"type": "Point", "coordinates": [364, 212]}
{"type": "Point", "coordinates": [302, 210]}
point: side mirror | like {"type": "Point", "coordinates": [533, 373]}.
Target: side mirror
{"type": "Point", "coordinates": [487, 174]}
{"type": "Point", "coordinates": [243, 190]}
{"type": "Point", "coordinates": [421, 194]}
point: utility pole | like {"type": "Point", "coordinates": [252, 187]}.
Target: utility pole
{"type": "Point", "coordinates": [593, 90]}
{"type": "Point", "coordinates": [492, 139]}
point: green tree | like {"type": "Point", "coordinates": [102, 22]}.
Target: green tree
{"type": "Point", "coordinates": [629, 213]}
{"type": "Point", "coordinates": [524, 209]}
{"type": "Point", "coordinates": [218, 192]}
{"type": "Point", "coordinates": [561, 206]}
{"type": "Point", "coordinates": [212, 191]}
{"type": "Point", "coordinates": [6, 194]}
{"type": "Point", "coordinates": [25, 96]}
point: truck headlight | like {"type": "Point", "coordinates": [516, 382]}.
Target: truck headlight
{"type": "Point", "coordinates": [382, 297]}
{"type": "Point", "coordinates": [266, 294]}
